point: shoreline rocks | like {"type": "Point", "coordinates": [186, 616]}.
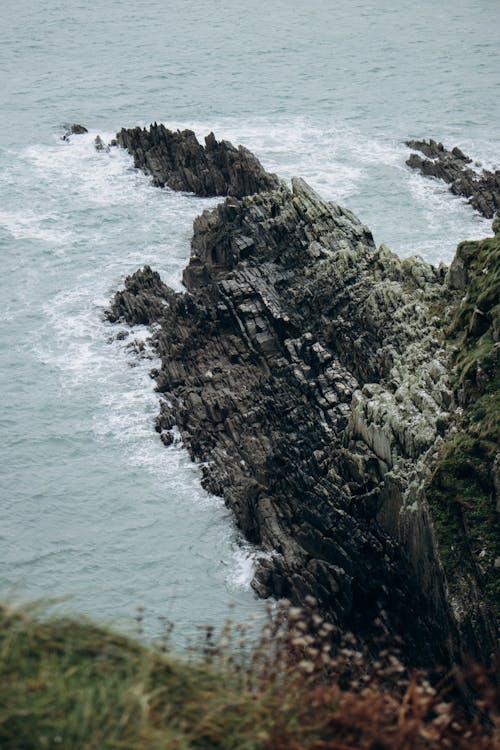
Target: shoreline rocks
{"type": "Point", "coordinates": [454, 167]}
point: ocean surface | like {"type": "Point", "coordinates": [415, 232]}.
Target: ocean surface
{"type": "Point", "coordinates": [95, 511]}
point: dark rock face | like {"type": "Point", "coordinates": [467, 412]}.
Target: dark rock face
{"type": "Point", "coordinates": [302, 368]}
{"type": "Point", "coordinates": [179, 161]}
{"type": "Point", "coordinates": [310, 374]}
{"type": "Point", "coordinates": [482, 188]}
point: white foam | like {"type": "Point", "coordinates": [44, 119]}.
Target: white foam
{"type": "Point", "coordinates": [242, 567]}
{"type": "Point", "coordinates": [27, 224]}
{"type": "Point", "coordinates": [447, 219]}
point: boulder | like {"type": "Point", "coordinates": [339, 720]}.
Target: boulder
{"type": "Point", "coordinates": [143, 301]}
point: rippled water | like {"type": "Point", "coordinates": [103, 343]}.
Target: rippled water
{"type": "Point", "coordinates": [93, 506]}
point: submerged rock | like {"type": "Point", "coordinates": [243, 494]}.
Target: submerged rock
{"type": "Point", "coordinates": [481, 188]}
{"type": "Point", "coordinates": [309, 372]}
{"type": "Point", "coordinates": [177, 160]}
{"type": "Point", "coordinates": [74, 129]}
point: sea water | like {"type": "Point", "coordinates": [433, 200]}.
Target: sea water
{"type": "Point", "coordinates": [95, 511]}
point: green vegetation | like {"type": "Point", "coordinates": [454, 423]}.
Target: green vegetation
{"type": "Point", "coordinates": [80, 687]}
{"type": "Point", "coordinates": [462, 490]}
{"type": "Point", "coordinates": [476, 323]}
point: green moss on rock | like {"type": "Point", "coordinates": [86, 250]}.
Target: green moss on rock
{"type": "Point", "coordinates": [475, 327]}
{"type": "Point", "coordinates": [462, 492]}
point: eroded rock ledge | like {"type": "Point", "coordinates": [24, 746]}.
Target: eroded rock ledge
{"type": "Point", "coordinates": [176, 159]}
{"type": "Point", "coordinates": [482, 188]}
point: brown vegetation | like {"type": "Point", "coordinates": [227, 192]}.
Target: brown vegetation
{"type": "Point", "coordinates": [300, 687]}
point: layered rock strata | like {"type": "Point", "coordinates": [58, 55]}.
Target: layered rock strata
{"type": "Point", "coordinates": [306, 369]}
{"type": "Point", "coordinates": [482, 188]}
{"type": "Point", "coordinates": [177, 160]}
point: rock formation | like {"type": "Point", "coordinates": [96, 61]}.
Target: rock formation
{"type": "Point", "coordinates": [179, 161]}
{"type": "Point", "coordinates": [454, 167]}
{"type": "Point", "coordinates": [308, 371]}
{"type": "Point", "coordinates": [143, 301]}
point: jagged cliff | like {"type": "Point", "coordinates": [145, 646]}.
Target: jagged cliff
{"type": "Point", "coordinates": [312, 375]}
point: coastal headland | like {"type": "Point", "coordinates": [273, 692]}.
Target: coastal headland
{"type": "Point", "coordinates": [343, 401]}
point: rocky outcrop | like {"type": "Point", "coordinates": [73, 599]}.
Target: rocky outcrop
{"type": "Point", "coordinates": [454, 167]}
{"type": "Point", "coordinates": [177, 160]}
{"type": "Point", "coordinates": [100, 145]}
{"type": "Point", "coordinates": [312, 375]}
{"type": "Point", "coordinates": [307, 370]}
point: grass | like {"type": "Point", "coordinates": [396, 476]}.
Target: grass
{"type": "Point", "coordinates": [74, 685]}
